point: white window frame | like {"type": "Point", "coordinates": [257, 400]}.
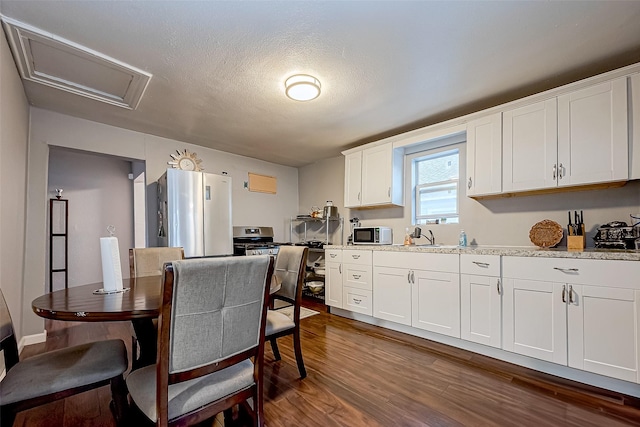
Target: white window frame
{"type": "Point", "coordinates": [434, 185]}
{"type": "Point", "coordinates": [411, 159]}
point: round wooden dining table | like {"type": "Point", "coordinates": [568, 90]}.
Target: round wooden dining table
{"type": "Point", "coordinates": [140, 305]}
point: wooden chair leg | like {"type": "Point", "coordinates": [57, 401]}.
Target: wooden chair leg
{"type": "Point", "coordinates": [298, 351]}
{"type": "Point", "coordinates": [119, 404]}
{"type": "Point", "coordinates": [274, 348]}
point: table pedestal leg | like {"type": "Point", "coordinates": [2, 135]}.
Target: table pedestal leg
{"type": "Point", "coordinates": [147, 336]}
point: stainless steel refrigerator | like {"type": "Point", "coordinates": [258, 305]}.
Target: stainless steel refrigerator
{"type": "Point", "coordinates": [194, 211]}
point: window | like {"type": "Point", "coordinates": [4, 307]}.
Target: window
{"type": "Point", "coordinates": [435, 180]}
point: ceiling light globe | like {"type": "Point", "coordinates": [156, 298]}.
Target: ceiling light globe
{"type": "Point", "coordinates": [302, 87]}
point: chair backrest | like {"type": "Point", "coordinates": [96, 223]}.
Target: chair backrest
{"type": "Point", "coordinates": [291, 262]}
{"type": "Point", "coordinates": [215, 309]}
{"type": "Point", "coordinates": [7, 336]}
{"type": "Point", "coordinates": [150, 261]}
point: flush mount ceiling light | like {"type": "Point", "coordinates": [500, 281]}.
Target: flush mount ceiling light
{"type": "Point", "coordinates": [302, 87]}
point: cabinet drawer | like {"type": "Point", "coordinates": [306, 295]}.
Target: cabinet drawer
{"type": "Point", "coordinates": [357, 276]}
{"type": "Point", "coordinates": [613, 273]}
{"type": "Point", "coordinates": [333, 255]}
{"type": "Point", "coordinates": [480, 265]}
{"type": "Point", "coordinates": [357, 300]}
{"type": "Point", "coordinates": [418, 261]}
{"type": "Point", "coordinates": [357, 257]}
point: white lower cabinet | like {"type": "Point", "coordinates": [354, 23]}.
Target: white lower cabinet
{"type": "Point", "coordinates": [436, 302]}
{"type": "Point", "coordinates": [580, 313]}
{"type": "Point", "coordinates": [333, 278]}
{"type": "Point", "coordinates": [392, 291]}
{"type": "Point", "coordinates": [603, 325]}
{"type": "Point", "coordinates": [481, 299]}
{"type": "Point", "coordinates": [357, 289]}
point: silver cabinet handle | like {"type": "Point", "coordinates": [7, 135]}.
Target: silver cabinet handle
{"type": "Point", "coordinates": [555, 169]}
{"type": "Point", "coordinates": [409, 276]}
{"type": "Point", "coordinates": [333, 255]}
{"type": "Point", "coordinates": [413, 277]}
{"type": "Point", "coordinates": [389, 192]}
{"type": "Point", "coordinates": [564, 292]}
{"type": "Point", "coordinates": [560, 171]}
{"type": "Point", "coordinates": [356, 276]}
{"type": "Point", "coordinates": [498, 286]}
{"type": "Point", "coordinates": [469, 184]}
{"type": "Point", "coordinates": [355, 256]}
{"type": "Point", "coordinates": [571, 294]}
{"type": "Point", "coordinates": [481, 264]}
{"type": "Point", "coordinates": [567, 270]}
{"type": "Point", "coordinates": [358, 196]}
{"type": "Point", "coordinates": [340, 268]}
{"type": "Point", "coordinates": [357, 301]}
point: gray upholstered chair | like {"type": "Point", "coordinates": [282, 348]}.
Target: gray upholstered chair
{"type": "Point", "coordinates": [211, 324]}
{"type": "Point", "coordinates": [145, 262]}
{"type": "Point", "coordinates": [290, 270]}
{"type": "Point", "coordinates": [58, 374]}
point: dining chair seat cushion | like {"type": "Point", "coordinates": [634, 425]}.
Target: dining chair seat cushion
{"type": "Point", "coordinates": [63, 369]}
{"type": "Point", "coordinates": [277, 322]}
{"type": "Point", "coordinates": [189, 395]}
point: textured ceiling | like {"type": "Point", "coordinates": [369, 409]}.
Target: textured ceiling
{"type": "Point", "coordinates": [385, 66]}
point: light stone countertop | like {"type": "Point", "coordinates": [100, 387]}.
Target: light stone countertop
{"type": "Point", "coordinates": [522, 251]}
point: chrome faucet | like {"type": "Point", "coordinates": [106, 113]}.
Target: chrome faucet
{"type": "Point", "coordinates": [417, 232]}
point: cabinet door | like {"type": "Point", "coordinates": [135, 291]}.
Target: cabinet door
{"type": "Point", "coordinates": [392, 294]}
{"type": "Point", "coordinates": [352, 179]}
{"type": "Point", "coordinates": [604, 331]}
{"type": "Point", "coordinates": [530, 147]}
{"type": "Point", "coordinates": [377, 169]}
{"type": "Point", "coordinates": [484, 156]}
{"type": "Point", "coordinates": [333, 284]}
{"type": "Point", "coordinates": [535, 319]}
{"type": "Point", "coordinates": [435, 300]}
{"type": "Point", "coordinates": [593, 139]}
{"type": "Point", "coordinates": [480, 309]}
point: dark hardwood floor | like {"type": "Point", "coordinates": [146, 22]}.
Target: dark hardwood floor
{"type": "Point", "coordinates": [362, 375]}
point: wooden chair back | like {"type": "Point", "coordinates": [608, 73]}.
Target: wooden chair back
{"type": "Point", "coordinates": [8, 341]}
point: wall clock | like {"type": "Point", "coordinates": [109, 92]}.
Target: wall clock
{"type": "Point", "coordinates": [186, 161]}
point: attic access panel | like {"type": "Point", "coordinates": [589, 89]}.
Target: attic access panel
{"type": "Point", "coordinates": [53, 61]}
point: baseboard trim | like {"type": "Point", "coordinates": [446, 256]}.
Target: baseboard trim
{"type": "Point", "coordinates": [31, 339]}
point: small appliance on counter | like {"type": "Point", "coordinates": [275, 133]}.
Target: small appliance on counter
{"type": "Point", "coordinates": [355, 222]}
{"type": "Point", "coordinates": [372, 236]}
{"type": "Point", "coordinates": [618, 235]}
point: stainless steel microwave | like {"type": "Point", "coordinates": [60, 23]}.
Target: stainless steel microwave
{"type": "Point", "coordinates": [372, 236]}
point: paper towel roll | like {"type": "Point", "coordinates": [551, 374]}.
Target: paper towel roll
{"type": "Point", "coordinates": [111, 270]}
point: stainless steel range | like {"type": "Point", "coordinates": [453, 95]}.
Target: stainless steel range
{"type": "Point", "coordinates": [254, 241]}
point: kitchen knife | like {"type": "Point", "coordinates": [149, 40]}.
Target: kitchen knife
{"type": "Point", "coordinates": [569, 226]}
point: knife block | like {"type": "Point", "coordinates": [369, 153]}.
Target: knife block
{"type": "Point", "coordinates": [576, 243]}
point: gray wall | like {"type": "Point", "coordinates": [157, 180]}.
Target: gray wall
{"type": "Point", "coordinates": [14, 134]}
{"type": "Point", "coordinates": [49, 129]}
{"type": "Point", "coordinates": [100, 194]}
{"type": "Point", "coordinates": [498, 222]}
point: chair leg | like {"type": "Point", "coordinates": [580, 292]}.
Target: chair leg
{"type": "Point", "coordinates": [274, 348]}
{"type": "Point", "coordinates": [7, 417]}
{"type": "Point", "coordinates": [228, 417]}
{"type": "Point", "coordinates": [298, 351]}
{"type": "Point", "coordinates": [119, 405]}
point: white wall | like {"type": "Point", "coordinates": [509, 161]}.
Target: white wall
{"type": "Point", "coordinates": [499, 222]}
{"type": "Point", "coordinates": [99, 194]}
{"type": "Point", "coordinates": [14, 134]}
{"type": "Point", "coordinates": [54, 129]}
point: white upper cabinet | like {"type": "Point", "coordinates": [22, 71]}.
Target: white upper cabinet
{"type": "Point", "coordinates": [530, 147]}
{"type": "Point", "coordinates": [578, 138]}
{"type": "Point", "coordinates": [484, 156]}
{"type": "Point", "coordinates": [374, 177]}
{"type": "Point", "coordinates": [593, 134]}
{"type": "Point", "coordinates": [353, 179]}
